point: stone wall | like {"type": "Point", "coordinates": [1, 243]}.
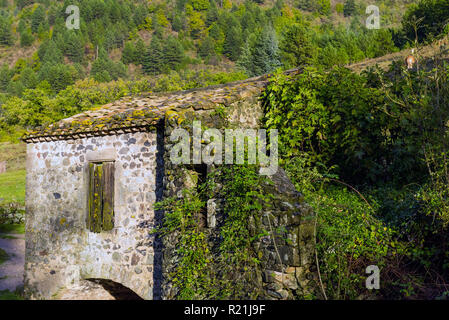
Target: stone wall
{"type": "Point", "coordinates": [59, 249]}
{"type": "Point", "coordinates": [287, 268]}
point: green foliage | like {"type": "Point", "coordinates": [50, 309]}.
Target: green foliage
{"type": "Point", "coordinates": [192, 278]}
{"type": "Point", "coordinates": [233, 43]}
{"type": "Point", "coordinates": [324, 7]}
{"type": "Point", "coordinates": [12, 217]}
{"type": "Point", "coordinates": [297, 46]}
{"type": "Point", "coordinates": [26, 38]}
{"type": "Point", "coordinates": [332, 116]}
{"type": "Point", "coordinates": [12, 186]}
{"type": "Point", "coordinates": [173, 53]}
{"type": "Point", "coordinates": [8, 295]}
{"type": "Point", "coordinates": [129, 54]}
{"type": "Point", "coordinates": [205, 272]}
{"type": "Point", "coordinates": [37, 18]}
{"type": "Point", "coordinates": [207, 48]}
{"type": "Point", "coordinates": [261, 55]}
{"type": "Point", "coordinates": [59, 76]}
{"type": "Point", "coordinates": [3, 256]}
{"type": "Point", "coordinates": [153, 61]}
{"type": "Point", "coordinates": [72, 46]}
{"type": "Point", "coordinates": [426, 19]}
{"type": "Point", "coordinates": [349, 8]}
{"type": "Point", "coordinates": [349, 236]}
{"type": "Point", "coordinates": [6, 36]}
{"type": "Point", "coordinates": [392, 130]}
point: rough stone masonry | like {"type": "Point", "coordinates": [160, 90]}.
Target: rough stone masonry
{"type": "Point", "coordinates": [93, 180]}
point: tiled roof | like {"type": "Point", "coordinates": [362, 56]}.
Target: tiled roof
{"type": "Point", "coordinates": [139, 113]}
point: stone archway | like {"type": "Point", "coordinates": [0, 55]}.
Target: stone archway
{"type": "Point", "coordinates": [96, 289]}
{"type": "Point", "coordinates": [116, 290]}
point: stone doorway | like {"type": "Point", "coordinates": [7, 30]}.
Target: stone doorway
{"type": "Point", "coordinates": [96, 289]}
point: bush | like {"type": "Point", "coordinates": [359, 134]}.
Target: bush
{"type": "Point", "coordinates": [12, 213]}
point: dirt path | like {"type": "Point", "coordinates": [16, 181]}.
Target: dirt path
{"type": "Point", "coordinates": [11, 271]}
{"type": "Point", "coordinates": [384, 62]}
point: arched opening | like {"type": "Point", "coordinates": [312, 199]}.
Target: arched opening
{"type": "Point", "coordinates": [117, 290]}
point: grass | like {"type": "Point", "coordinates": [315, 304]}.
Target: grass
{"type": "Point", "coordinates": [3, 256]}
{"type": "Point", "coordinates": [12, 182]}
{"type": "Point", "coordinates": [14, 155]}
{"type": "Point", "coordinates": [12, 186]}
{"type": "Point", "coordinates": [12, 228]}
{"type": "Point", "coordinates": [8, 237]}
{"type": "Point", "coordinates": [8, 295]}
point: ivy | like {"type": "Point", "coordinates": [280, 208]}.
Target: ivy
{"type": "Point", "coordinates": [229, 270]}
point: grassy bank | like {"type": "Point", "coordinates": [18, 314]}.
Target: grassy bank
{"type": "Point", "coordinates": [12, 187]}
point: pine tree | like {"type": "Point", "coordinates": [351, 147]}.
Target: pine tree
{"type": "Point", "coordinates": [59, 75]}
{"type": "Point", "coordinates": [296, 46]}
{"type": "Point", "coordinates": [207, 48]}
{"type": "Point", "coordinates": [212, 14]}
{"type": "Point", "coordinates": [26, 38]}
{"type": "Point", "coordinates": [23, 3]}
{"type": "Point", "coordinates": [129, 53]}
{"type": "Point", "coordinates": [349, 8]}
{"type": "Point", "coordinates": [154, 58]}
{"type": "Point", "coordinates": [6, 37]}
{"type": "Point", "coordinates": [5, 76]}
{"type": "Point", "coordinates": [173, 53]}
{"type": "Point", "coordinates": [21, 26]}
{"type": "Point", "coordinates": [73, 46]}
{"type": "Point", "coordinates": [140, 52]}
{"type": "Point", "coordinates": [29, 78]}
{"type": "Point", "coordinates": [199, 5]}
{"type": "Point", "coordinates": [263, 56]}
{"type": "Point", "coordinates": [245, 61]}
{"type": "Point", "coordinates": [178, 22]}
{"type": "Point", "coordinates": [51, 53]}
{"type": "Point", "coordinates": [325, 7]}
{"type": "Point", "coordinates": [37, 18]}
{"type": "Point", "coordinates": [233, 43]}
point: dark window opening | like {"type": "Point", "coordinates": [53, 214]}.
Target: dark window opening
{"type": "Point", "coordinates": [101, 197]}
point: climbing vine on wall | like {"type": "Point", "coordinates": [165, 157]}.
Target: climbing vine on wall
{"type": "Point", "coordinates": [228, 268]}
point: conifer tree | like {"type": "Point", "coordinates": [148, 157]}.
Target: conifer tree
{"type": "Point", "coordinates": [173, 53]}
{"type": "Point", "coordinates": [140, 52]}
{"type": "Point", "coordinates": [296, 46]}
{"type": "Point", "coordinates": [349, 8]}
{"type": "Point", "coordinates": [212, 14]}
{"type": "Point", "coordinates": [233, 43]}
{"type": "Point", "coordinates": [207, 48]}
{"type": "Point", "coordinates": [26, 38]}
{"type": "Point", "coordinates": [37, 18]}
{"type": "Point", "coordinates": [21, 26]}
{"type": "Point", "coordinates": [5, 76]}
{"type": "Point", "coordinates": [6, 37]}
{"type": "Point", "coordinates": [154, 57]}
{"type": "Point", "coordinates": [73, 46]}
{"type": "Point", "coordinates": [50, 53]}
{"type": "Point", "coordinates": [263, 56]}
{"type": "Point", "coordinates": [129, 53]}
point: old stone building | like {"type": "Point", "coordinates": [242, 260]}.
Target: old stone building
{"type": "Point", "coordinates": [93, 180]}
